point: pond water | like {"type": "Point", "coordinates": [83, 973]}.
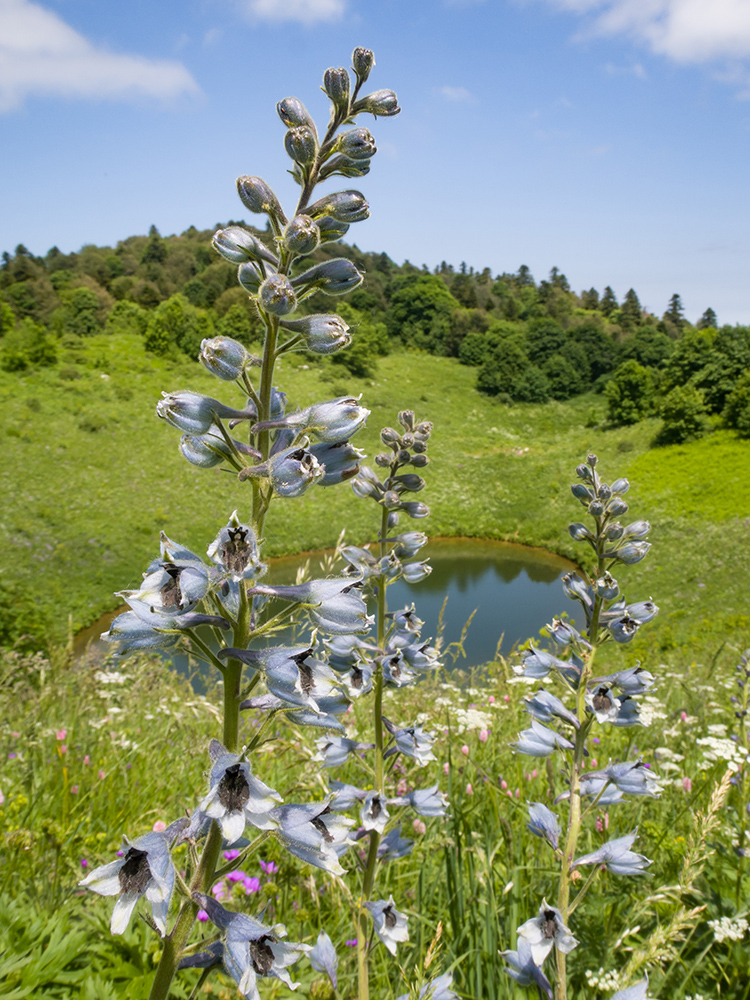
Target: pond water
{"type": "Point", "coordinates": [514, 589]}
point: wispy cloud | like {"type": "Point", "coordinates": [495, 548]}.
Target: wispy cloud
{"type": "Point", "coordinates": [304, 11]}
{"type": "Point", "coordinates": [41, 55]}
{"type": "Point", "coordinates": [635, 70]}
{"type": "Point", "coordinates": [457, 95]}
{"type": "Point", "coordinates": [686, 31]}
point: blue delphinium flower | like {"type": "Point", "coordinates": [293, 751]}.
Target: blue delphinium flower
{"type": "Point", "coordinates": [638, 991]}
{"type": "Point", "coordinates": [335, 605]}
{"type": "Point", "coordinates": [545, 707]}
{"type": "Point", "coordinates": [545, 931]}
{"type": "Point", "coordinates": [617, 857]}
{"type": "Point", "coordinates": [314, 833]}
{"type": "Point", "coordinates": [544, 823]}
{"type": "Point", "coordinates": [145, 869]}
{"type": "Point", "coordinates": [435, 989]}
{"type": "Point", "coordinates": [540, 741]}
{"type": "Point", "coordinates": [374, 812]}
{"type": "Point", "coordinates": [235, 551]}
{"type": "Point", "coordinates": [235, 797]}
{"type": "Point", "coordinates": [252, 949]}
{"type": "Point", "coordinates": [390, 924]}
{"type": "Point", "coordinates": [412, 741]}
{"type": "Point", "coordinates": [323, 958]}
{"type": "Point", "coordinates": [292, 673]}
{"type": "Point", "coordinates": [335, 750]}
{"type": "Point", "coordinates": [525, 971]}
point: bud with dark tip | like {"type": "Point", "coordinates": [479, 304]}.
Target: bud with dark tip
{"type": "Point", "coordinates": [293, 113]}
{"type": "Point", "coordinates": [344, 206]}
{"type": "Point", "coordinates": [301, 236]}
{"type": "Point", "coordinates": [277, 295]}
{"type": "Point", "coordinates": [258, 197]}
{"type": "Point", "coordinates": [336, 85]}
{"type": "Point", "coordinates": [335, 277]}
{"type": "Point", "coordinates": [617, 506]}
{"type": "Point", "coordinates": [390, 436]}
{"type": "Point", "coordinates": [583, 472]}
{"type": "Point", "coordinates": [301, 144]}
{"type": "Point", "coordinates": [419, 461]}
{"type": "Point", "coordinates": [323, 334]}
{"type": "Point", "coordinates": [382, 103]}
{"type": "Point", "coordinates": [330, 229]}
{"type": "Point", "coordinates": [362, 62]}
{"type": "Point", "coordinates": [596, 508]}
{"type": "Point", "coordinates": [357, 144]}
{"type": "Point", "coordinates": [582, 493]}
{"type": "Point", "coordinates": [224, 357]}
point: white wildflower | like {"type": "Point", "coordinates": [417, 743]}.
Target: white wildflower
{"type": "Point", "coordinates": [728, 929]}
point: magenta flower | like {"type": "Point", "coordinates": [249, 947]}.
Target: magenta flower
{"type": "Point", "coordinates": [61, 734]}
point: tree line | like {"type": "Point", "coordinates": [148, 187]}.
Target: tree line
{"type": "Point", "coordinates": [529, 341]}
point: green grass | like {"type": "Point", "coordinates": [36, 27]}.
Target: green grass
{"type": "Point", "coordinates": [92, 476]}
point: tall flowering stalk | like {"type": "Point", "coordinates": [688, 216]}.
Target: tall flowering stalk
{"type": "Point", "coordinates": [595, 699]}
{"type": "Point", "coordinates": [185, 599]}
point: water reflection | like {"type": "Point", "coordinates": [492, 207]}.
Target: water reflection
{"type": "Point", "coordinates": [515, 591]}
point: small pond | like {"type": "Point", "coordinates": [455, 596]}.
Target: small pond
{"type": "Point", "coordinates": [514, 589]}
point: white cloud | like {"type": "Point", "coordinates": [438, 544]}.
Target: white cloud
{"type": "Point", "coordinates": [687, 31]}
{"type": "Point", "coordinates": [457, 95]}
{"type": "Point", "coordinates": [304, 11]}
{"type": "Point", "coordinates": [635, 70]}
{"type": "Point", "coordinates": [41, 55]}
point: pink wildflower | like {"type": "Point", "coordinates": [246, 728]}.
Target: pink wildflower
{"type": "Point", "coordinates": [419, 827]}
{"type": "Point", "coordinates": [61, 734]}
{"type": "Point", "coordinates": [74, 789]}
{"type": "Point", "coordinates": [687, 784]}
{"type": "Point", "coordinates": [484, 735]}
{"type": "Point", "coordinates": [465, 750]}
{"type": "Point", "coordinates": [159, 826]}
{"type": "Point", "coordinates": [469, 789]}
{"type": "Point", "coordinates": [446, 767]}
{"type": "Point", "coordinates": [491, 699]}
{"type": "Point", "coordinates": [102, 776]}
{"type": "Point", "coordinates": [87, 760]}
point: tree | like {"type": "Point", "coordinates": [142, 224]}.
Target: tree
{"type": "Point", "coordinates": [609, 302]}
{"type": "Point", "coordinates": [524, 277]}
{"type": "Point", "coordinates": [156, 250]}
{"type": "Point", "coordinates": [176, 323]}
{"type": "Point", "coordinates": [629, 393]}
{"type": "Point", "coordinates": [684, 416]}
{"type": "Point", "coordinates": [708, 319]}
{"type": "Point", "coordinates": [590, 299]}
{"type": "Point", "coordinates": [631, 313]}
{"type": "Point", "coordinates": [507, 369]}
{"type": "Point", "coordinates": [26, 346]}
{"type": "Point", "coordinates": [420, 311]}
{"type": "Point", "coordinates": [544, 337]}
{"type": "Point", "coordinates": [737, 411]}
{"type": "Point", "coordinates": [692, 353]}
{"type": "Point", "coordinates": [598, 347]}
{"type": "Point", "coordinates": [649, 346]}
{"type": "Point", "coordinates": [675, 313]}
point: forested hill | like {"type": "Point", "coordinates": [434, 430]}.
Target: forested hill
{"type": "Point", "coordinates": [529, 340]}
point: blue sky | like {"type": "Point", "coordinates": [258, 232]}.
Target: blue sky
{"type": "Point", "coordinates": [608, 138]}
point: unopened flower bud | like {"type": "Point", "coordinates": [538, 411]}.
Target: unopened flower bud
{"type": "Point", "coordinates": [331, 229]}
{"type": "Point", "coordinates": [390, 436]}
{"type": "Point", "coordinates": [416, 572]}
{"type": "Point", "coordinates": [613, 531]}
{"type": "Point", "coordinates": [620, 486]}
{"type": "Point", "coordinates": [410, 482]}
{"type": "Point", "coordinates": [393, 520]}
{"type": "Point", "coordinates": [584, 472]}
{"type": "Point", "coordinates": [362, 62]}
{"type": "Point", "coordinates": [381, 103]}
{"type": "Point", "coordinates": [424, 429]}
{"type": "Point", "coordinates": [294, 113]}
{"type": "Point", "coordinates": [419, 461]}
{"type": "Point", "coordinates": [383, 460]}
{"type": "Point", "coordinates": [301, 236]}
{"type": "Point", "coordinates": [596, 508]}
{"type": "Point", "coordinates": [582, 493]}
{"type": "Point", "coordinates": [238, 246]}
{"type": "Point", "coordinates": [633, 552]}
{"type": "Point", "coordinates": [604, 492]}
{"type": "Point", "coordinates": [592, 460]}
{"type": "Point", "coordinates": [407, 440]}
{"type": "Point", "coordinates": [334, 277]}
{"type": "Point", "coordinates": [406, 419]}
{"type": "Point", "coordinates": [414, 508]}
{"type": "Point", "coordinates": [617, 506]}
{"type": "Point", "coordinates": [357, 144]}
{"type": "Point", "coordinates": [579, 532]}
{"type": "Point", "coordinates": [637, 530]}
{"type": "Point", "coordinates": [277, 295]}
{"type": "Point", "coordinates": [336, 85]}
{"type": "Point", "coordinates": [367, 484]}
{"type": "Point", "coordinates": [249, 277]}
{"type": "Point", "coordinates": [344, 206]}
{"type": "Point", "coordinates": [301, 145]}
{"type": "Point", "coordinates": [258, 197]}
{"type": "Point", "coordinates": [391, 500]}
{"type": "Point", "coordinates": [323, 334]}
{"type": "Point", "coordinates": [224, 357]}
{"type": "Point", "coordinates": [404, 456]}
{"type": "Point", "coordinates": [345, 167]}
{"type": "Point", "coordinates": [419, 446]}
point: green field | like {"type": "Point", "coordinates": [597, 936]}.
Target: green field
{"type": "Point", "coordinates": [92, 476]}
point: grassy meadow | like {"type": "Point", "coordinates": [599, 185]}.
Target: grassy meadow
{"type": "Point", "coordinates": [91, 477]}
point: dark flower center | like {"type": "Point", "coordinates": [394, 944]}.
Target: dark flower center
{"type": "Point", "coordinates": [601, 700]}
{"type": "Point", "coordinates": [357, 677]}
{"type": "Point", "coordinates": [549, 926]}
{"type": "Point", "coordinates": [234, 791]}
{"type": "Point", "coordinates": [171, 596]}
{"type": "Point", "coordinates": [389, 917]}
{"type": "Point", "coordinates": [237, 552]}
{"type": "Point", "coordinates": [135, 874]}
{"type": "Point", "coordinates": [375, 807]}
{"type": "Point", "coordinates": [261, 955]}
{"type": "Point", "coordinates": [320, 826]}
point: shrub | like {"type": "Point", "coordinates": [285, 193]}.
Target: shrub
{"type": "Point", "coordinates": [684, 413]}
{"type": "Point", "coordinates": [26, 346]}
{"type": "Point", "coordinates": [737, 411]}
{"type": "Point", "coordinates": [629, 394]}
